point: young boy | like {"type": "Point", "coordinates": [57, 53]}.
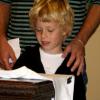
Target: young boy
{"type": "Point", "coordinates": [52, 21]}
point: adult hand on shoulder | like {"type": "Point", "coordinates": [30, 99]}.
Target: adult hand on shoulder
{"type": "Point", "coordinates": [6, 52]}
{"type": "Point", "coordinates": [76, 48]}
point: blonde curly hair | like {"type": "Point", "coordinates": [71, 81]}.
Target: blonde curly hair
{"type": "Point", "coordinates": [57, 10]}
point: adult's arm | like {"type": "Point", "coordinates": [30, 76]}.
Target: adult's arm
{"type": "Point", "coordinates": [76, 47]}
{"type": "Point", "coordinates": [6, 51]}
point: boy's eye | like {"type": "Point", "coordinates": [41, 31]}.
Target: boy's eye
{"type": "Point", "coordinates": [50, 30]}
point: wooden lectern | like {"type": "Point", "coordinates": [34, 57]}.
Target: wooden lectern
{"type": "Point", "coordinates": [19, 89]}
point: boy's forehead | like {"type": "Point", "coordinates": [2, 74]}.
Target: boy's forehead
{"type": "Point", "coordinates": [47, 22]}
{"type": "Point", "coordinates": [42, 20]}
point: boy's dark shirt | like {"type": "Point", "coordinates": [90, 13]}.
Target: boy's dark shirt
{"type": "Point", "coordinates": [31, 59]}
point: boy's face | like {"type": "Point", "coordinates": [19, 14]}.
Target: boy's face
{"type": "Point", "coordinates": [49, 35]}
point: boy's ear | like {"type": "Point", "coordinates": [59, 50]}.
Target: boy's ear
{"type": "Point", "coordinates": [66, 33]}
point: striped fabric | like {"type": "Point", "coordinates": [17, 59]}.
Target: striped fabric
{"type": "Point", "coordinates": [19, 20]}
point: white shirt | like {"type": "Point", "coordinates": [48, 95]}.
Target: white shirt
{"type": "Point", "coordinates": [51, 62]}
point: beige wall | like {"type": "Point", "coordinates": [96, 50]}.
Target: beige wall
{"type": "Point", "coordinates": [93, 66]}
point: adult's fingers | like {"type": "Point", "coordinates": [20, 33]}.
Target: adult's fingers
{"type": "Point", "coordinates": [67, 50]}
{"type": "Point", "coordinates": [80, 68]}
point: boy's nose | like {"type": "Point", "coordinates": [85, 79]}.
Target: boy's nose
{"type": "Point", "coordinates": [43, 34]}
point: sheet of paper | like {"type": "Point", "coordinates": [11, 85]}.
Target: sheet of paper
{"type": "Point", "coordinates": [22, 72]}
{"type": "Point", "coordinates": [63, 89]}
{"type": "Point", "coordinates": [22, 80]}
{"type": "Point", "coordinates": [14, 43]}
